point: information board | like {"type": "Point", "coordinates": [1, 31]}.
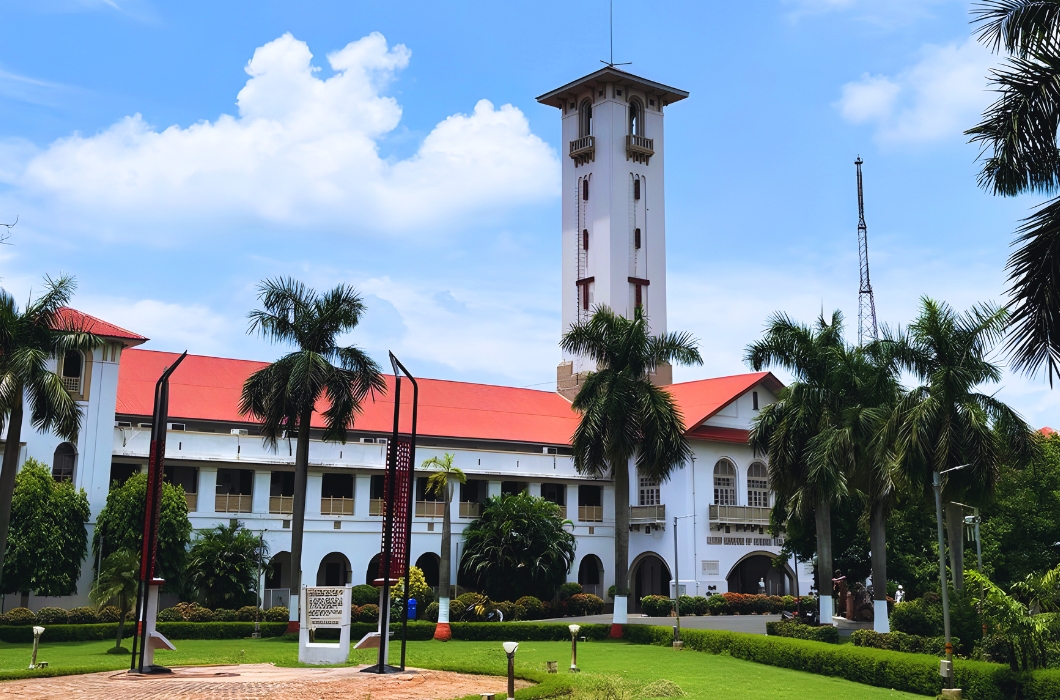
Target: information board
{"type": "Point", "coordinates": [326, 607]}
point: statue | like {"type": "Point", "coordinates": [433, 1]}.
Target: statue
{"type": "Point", "coordinates": [899, 595]}
{"type": "Point", "coordinates": [861, 604]}
{"type": "Point", "coordinates": [839, 590]}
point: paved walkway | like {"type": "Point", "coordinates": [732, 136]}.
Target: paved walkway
{"type": "Point", "coordinates": [753, 624]}
{"type": "Point", "coordinates": [257, 682]}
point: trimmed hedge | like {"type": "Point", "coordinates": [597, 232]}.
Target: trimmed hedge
{"type": "Point", "coordinates": [522, 632]}
{"type": "Point", "coordinates": [1043, 685]}
{"type": "Point", "coordinates": [900, 641]}
{"type": "Point", "coordinates": [19, 634]}
{"type": "Point", "coordinates": [798, 630]}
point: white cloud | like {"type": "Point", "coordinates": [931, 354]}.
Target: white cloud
{"type": "Point", "coordinates": [303, 150]}
{"type": "Point", "coordinates": [938, 97]}
{"type": "Point", "coordinates": [170, 326]}
{"type": "Point", "coordinates": [884, 14]}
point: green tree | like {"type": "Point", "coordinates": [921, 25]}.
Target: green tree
{"type": "Point", "coordinates": [118, 579]}
{"type": "Point", "coordinates": [443, 482]}
{"type": "Point", "coordinates": [946, 422]}
{"type": "Point", "coordinates": [623, 416]}
{"type": "Point", "coordinates": [519, 546]}
{"type": "Point", "coordinates": [284, 395]}
{"type": "Point", "coordinates": [1018, 137]}
{"type": "Point", "coordinates": [120, 526]}
{"type": "Point", "coordinates": [223, 566]}
{"type": "Point", "coordinates": [48, 540]}
{"type": "Point", "coordinates": [30, 339]}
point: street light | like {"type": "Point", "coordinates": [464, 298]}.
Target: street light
{"type": "Point", "coordinates": [677, 582]}
{"type": "Point", "coordinates": [574, 647]}
{"type": "Point", "coordinates": [510, 649]}
{"type": "Point", "coordinates": [946, 666]}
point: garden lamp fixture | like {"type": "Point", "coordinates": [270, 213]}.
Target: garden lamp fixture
{"type": "Point", "coordinates": [574, 647]}
{"type": "Point", "coordinates": [510, 648]}
{"type": "Point", "coordinates": [37, 632]}
{"type": "Point", "coordinates": [945, 666]}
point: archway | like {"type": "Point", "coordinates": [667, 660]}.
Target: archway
{"type": "Point", "coordinates": [63, 462]}
{"type": "Point", "coordinates": [372, 573]}
{"type": "Point", "coordinates": [428, 563]}
{"type": "Point", "coordinates": [277, 591]}
{"type": "Point", "coordinates": [591, 575]}
{"type": "Point", "coordinates": [334, 570]}
{"type": "Point", "coordinates": [649, 575]}
{"type": "Point", "coordinates": [755, 574]}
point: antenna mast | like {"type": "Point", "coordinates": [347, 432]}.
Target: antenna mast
{"type": "Point", "coordinates": [610, 63]}
{"type": "Point", "coordinates": [867, 328]}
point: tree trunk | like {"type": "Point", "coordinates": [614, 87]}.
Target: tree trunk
{"type": "Point", "coordinates": [823, 521]}
{"type": "Point", "coordinates": [621, 474]}
{"type": "Point", "coordinates": [441, 630]}
{"type": "Point", "coordinates": [301, 475]}
{"type": "Point", "coordinates": [123, 603]}
{"type": "Point", "coordinates": [7, 473]}
{"type": "Point", "coordinates": [878, 544]}
{"type": "Point", "coordinates": [955, 541]}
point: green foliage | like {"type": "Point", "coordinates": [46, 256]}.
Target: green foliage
{"type": "Point", "coordinates": [368, 613]}
{"type": "Point", "coordinates": [532, 607]}
{"type": "Point", "coordinates": [118, 580]}
{"type": "Point", "coordinates": [798, 630]}
{"type": "Point", "coordinates": [581, 604]}
{"type": "Point", "coordinates": [418, 589]}
{"type": "Point", "coordinates": [525, 631]}
{"type": "Point", "coordinates": [430, 613]}
{"type": "Point", "coordinates": [83, 616]}
{"type": "Point", "coordinates": [248, 613]}
{"type": "Point", "coordinates": [172, 630]}
{"type": "Point", "coordinates": [52, 616]}
{"type": "Point", "coordinates": [170, 615]}
{"type": "Point", "coordinates": [225, 615]}
{"type": "Point", "coordinates": [656, 605]}
{"type": "Point", "coordinates": [912, 548]}
{"type": "Point", "coordinates": [519, 546]}
{"type": "Point", "coordinates": [278, 613]}
{"type": "Point", "coordinates": [364, 594]}
{"type": "Point", "coordinates": [1007, 617]}
{"type": "Point", "coordinates": [120, 524]}
{"type": "Point", "coordinates": [19, 616]}
{"type": "Point", "coordinates": [109, 613]}
{"type": "Point", "coordinates": [921, 617]}
{"type": "Point", "coordinates": [48, 540]}
{"type": "Point", "coordinates": [568, 589]}
{"type": "Point", "coordinates": [900, 641]}
{"type": "Point", "coordinates": [223, 565]}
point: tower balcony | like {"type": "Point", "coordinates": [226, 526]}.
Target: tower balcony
{"type": "Point", "coordinates": [583, 150]}
{"type": "Point", "coordinates": [739, 515]}
{"type": "Point", "coordinates": [647, 516]}
{"type": "Point", "coordinates": [639, 149]}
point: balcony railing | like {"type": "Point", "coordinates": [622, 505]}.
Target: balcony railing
{"type": "Point", "coordinates": [281, 504]}
{"type": "Point", "coordinates": [591, 514]}
{"type": "Point", "coordinates": [233, 503]}
{"type": "Point", "coordinates": [583, 150]}
{"type": "Point", "coordinates": [334, 505]}
{"type": "Point", "coordinates": [470, 509]}
{"type": "Point", "coordinates": [430, 509]}
{"type": "Point", "coordinates": [376, 506]}
{"type": "Point", "coordinates": [744, 515]}
{"type": "Point", "coordinates": [192, 499]}
{"type": "Point", "coordinates": [72, 384]}
{"type": "Point", "coordinates": [562, 510]}
{"type": "Point", "coordinates": [647, 515]}
{"type": "Point", "coordinates": [639, 149]}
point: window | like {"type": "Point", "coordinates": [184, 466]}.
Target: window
{"type": "Point", "coordinates": [281, 484]}
{"type": "Point", "coordinates": [473, 493]}
{"type": "Point", "coordinates": [724, 483]}
{"type": "Point", "coordinates": [376, 494]}
{"type": "Point", "coordinates": [648, 493]}
{"type": "Point", "coordinates": [636, 118]}
{"type": "Point", "coordinates": [186, 478]}
{"type": "Point", "coordinates": [554, 493]}
{"type": "Point", "coordinates": [63, 462]}
{"type": "Point", "coordinates": [636, 189]}
{"type": "Point", "coordinates": [585, 119]}
{"type": "Point", "coordinates": [336, 494]}
{"type": "Point", "coordinates": [120, 472]}
{"type": "Point", "coordinates": [590, 504]}
{"type": "Point", "coordinates": [511, 488]}
{"type": "Point", "coordinates": [233, 493]}
{"type": "Point", "coordinates": [585, 189]}
{"type": "Point", "coordinates": [585, 239]}
{"type": "Point", "coordinates": [754, 400]}
{"type": "Point", "coordinates": [422, 494]}
{"type": "Point", "coordinates": [757, 486]}
{"type": "Point", "coordinates": [636, 238]}
{"type": "Point", "coordinates": [73, 368]}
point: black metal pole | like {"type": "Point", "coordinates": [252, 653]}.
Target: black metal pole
{"type": "Point", "coordinates": [412, 495]}
{"type": "Point", "coordinates": [388, 525]}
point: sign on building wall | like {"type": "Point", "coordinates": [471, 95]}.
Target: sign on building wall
{"type": "Point", "coordinates": [327, 607]}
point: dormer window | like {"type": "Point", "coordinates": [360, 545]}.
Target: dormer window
{"type": "Point", "coordinates": [72, 371]}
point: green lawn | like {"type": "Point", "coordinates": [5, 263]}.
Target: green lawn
{"type": "Point", "coordinates": [699, 675]}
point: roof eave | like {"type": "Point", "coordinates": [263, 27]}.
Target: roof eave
{"type": "Point", "coordinates": [667, 94]}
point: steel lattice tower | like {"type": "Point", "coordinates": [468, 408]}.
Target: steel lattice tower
{"type": "Point", "coordinates": [867, 328]}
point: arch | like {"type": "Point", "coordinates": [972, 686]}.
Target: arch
{"type": "Point", "coordinates": [755, 567]}
{"type": "Point", "coordinates": [757, 485]}
{"type": "Point", "coordinates": [636, 117]}
{"type": "Point", "coordinates": [73, 371]}
{"type": "Point", "coordinates": [649, 575]}
{"type": "Point", "coordinates": [277, 581]}
{"type": "Point", "coordinates": [372, 572]}
{"type": "Point", "coordinates": [585, 118]}
{"type": "Point", "coordinates": [429, 563]}
{"type": "Point", "coordinates": [334, 570]}
{"type": "Point", "coordinates": [591, 575]}
{"type": "Point", "coordinates": [725, 482]}
{"type": "Point", "coordinates": [63, 462]}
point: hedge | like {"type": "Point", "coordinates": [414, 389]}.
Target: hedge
{"type": "Point", "coordinates": [172, 630]}
{"type": "Point", "coordinates": [900, 641]}
{"type": "Point", "coordinates": [523, 632]}
{"type": "Point", "coordinates": [798, 630]}
{"type": "Point", "coordinates": [1043, 685]}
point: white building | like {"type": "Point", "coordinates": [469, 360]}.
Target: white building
{"type": "Point", "coordinates": [505, 439]}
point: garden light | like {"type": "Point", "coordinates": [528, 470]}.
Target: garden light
{"type": "Point", "coordinates": [510, 649]}
{"type": "Point", "coordinates": [574, 647]}
{"type": "Point", "coordinates": [37, 632]}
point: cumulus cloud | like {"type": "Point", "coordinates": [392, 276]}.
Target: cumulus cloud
{"type": "Point", "coordinates": [938, 97]}
{"type": "Point", "coordinates": [169, 326]}
{"type": "Point", "coordinates": [303, 150]}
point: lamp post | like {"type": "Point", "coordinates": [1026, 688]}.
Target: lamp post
{"type": "Point", "coordinates": [574, 648]}
{"type": "Point", "coordinates": [677, 582]}
{"type": "Point", "coordinates": [946, 667]}
{"type": "Point", "coordinates": [510, 649]}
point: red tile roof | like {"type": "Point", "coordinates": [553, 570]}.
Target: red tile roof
{"type": "Point", "coordinates": [72, 319]}
{"type": "Point", "coordinates": [208, 388]}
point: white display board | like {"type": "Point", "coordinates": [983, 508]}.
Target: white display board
{"type": "Point", "coordinates": [324, 607]}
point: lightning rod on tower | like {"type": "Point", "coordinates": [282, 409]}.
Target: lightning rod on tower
{"type": "Point", "coordinates": [867, 328]}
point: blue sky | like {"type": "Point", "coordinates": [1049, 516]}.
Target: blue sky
{"type": "Point", "coordinates": [172, 155]}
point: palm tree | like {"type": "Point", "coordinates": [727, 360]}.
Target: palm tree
{"type": "Point", "coordinates": [118, 578]}
{"type": "Point", "coordinates": [442, 483]}
{"type": "Point", "coordinates": [1018, 138]}
{"type": "Point", "coordinates": [946, 422]}
{"type": "Point", "coordinates": [29, 339]}
{"type": "Point", "coordinates": [284, 395]}
{"type": "Point", "coordinates": [223, 565]}
{"type": "Point", "coordinates": [623, 415]}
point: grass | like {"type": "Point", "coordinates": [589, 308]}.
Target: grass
{"type": "Point", "coordinates": [699, 675]}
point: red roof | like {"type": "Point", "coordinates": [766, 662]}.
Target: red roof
{"type": "Point", "coordinates": [74, 320]}
{"type": "Point", "coordinates": [208, 388]}
{"type": "Point", "coordinates": [1047, 431]}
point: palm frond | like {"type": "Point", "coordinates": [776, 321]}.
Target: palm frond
{"type": "Point", "coordinates": [1019, 27]}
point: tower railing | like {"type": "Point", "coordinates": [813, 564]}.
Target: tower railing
{"type": "Point", "coordinates": [583, 150]}
{"type": "Point", "coordinates": [639, 148]}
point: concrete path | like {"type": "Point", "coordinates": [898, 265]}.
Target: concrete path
{"type": "Point", "coordinates": [753, 624]}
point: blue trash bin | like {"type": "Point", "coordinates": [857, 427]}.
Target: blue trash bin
{"type": "Point", "coordinates": [412, 609]}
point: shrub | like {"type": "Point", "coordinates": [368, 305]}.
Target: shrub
{"type": "Point", "coordinates": [52, 616]}
{"type": "Point", "coordinates": [278, 614]}
{"type": "Point", "coordinates": [431, 613]}
{"type": "Point", "coordinates": [568, 589]}
{"type": "Point", "coordinates": [19, 616]}
{"type": "Point", "coordinates": [688, 605]}
{"type": "Point", "coordinates": [656, 605]}
{"type": "Point", "coordinates": [611, 590]}
{"type": "Point", "coordinates": [368, 613]}
{"type": "Point", "coordinates": [798, 630]}
{"type": "Point", "coordinates": [717, 605]}
{"type": "Point", "coordinates": [197, 613]}
{"type": "Point", "coordinates": [921, 617]}
{"type": "Point", "coordinates": [526, 631]}
{"type": "Point", "coordinates": [111, 613]}
{"type": "Point", "coordinates": [532, 607]}
{"type": "Point", "coordinates": [223, 615]}
{"type": "Point", "coordinates": [218, 630]}
{"type": "Point", "coordinates": [585, 604]}
{"type": "Point", "coordinates": [364, 594]}
{"type": "Point", "coordinates": [809, 604]}
{"type": "Point", "coordinates": [900, 641]}
{"type": "Point", "coordinates": [83, 615]}
{"type": "Point", "coordinates": [247, 613]}
{"type": "Point", "coordinates": [170, 615]}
